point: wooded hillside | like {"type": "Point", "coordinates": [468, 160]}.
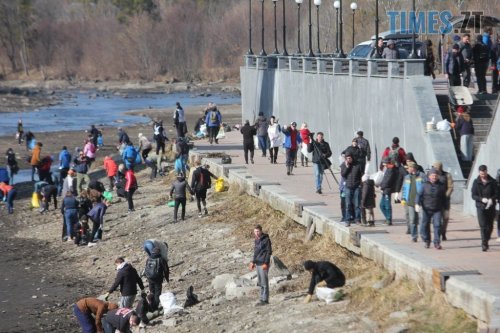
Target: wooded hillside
{"type": "Point", "coordinates": [165, 39]}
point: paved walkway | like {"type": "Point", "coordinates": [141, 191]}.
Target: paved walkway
{"type": "Point", "coordinates": [463, 247]}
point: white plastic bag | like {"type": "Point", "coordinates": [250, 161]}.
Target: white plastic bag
{"type": "Point", "coordinates": [443, 125]}
{"type": "Point", "coordinates": [329, 295]}
{"type": "Point", "coordinates": [168, 302]}
{"type": "Point", "coordinates": [304, 152]}
{"type": "Point", "coordinates": [377, 177]}
{"type": "Point", "coordinates": [221, 134]}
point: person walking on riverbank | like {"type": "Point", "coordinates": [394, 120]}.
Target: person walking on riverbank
{"type": "Point", "coordinates": [262, 260]}
{"type": "Point", "coordinates": [261, 126]}
{"type": "Point", "coordinates": [446, 179]}
{"type": "Point", "coordinates": [127, 279]}
{"type": "Point", "coordinates": [410, 197]}
{"type": "Point", "coordinates": [321, 152]}
{"type": "Point", "coordinates": [130, 188]}
{"type": "Point", "coordinates": [159, 136]}
{"type": "Point", "coordinates": [275, 141]}
{"type": "Point", "coordinates": [64, 164]}
{"type": "Point", "coordinates": [20, 131]}
{"type": "Point", "coordinates": [179, 187]}
{"type": "Point", "coordinates": [8, 193]}
{"type": "Point", "coordinates": [89, 311]}
{"type": "Point", "coordinates": [12, 166]}
{"type": "Point", "coordinates": [180, 120]}
{"type": "Point", "coordinates": [432, 197]}
{"type": "Point", "coordinates": [129, 156]}
{"type": "Point", "coordinates": [213, 120]}
{"type": "Point", "coordinates": [484, 192]}
{"type": "Point", "coordinates": [96, 215]}
{"type": "Point", "coordinates": [248, 144]}
{"type": "Point", "coordinates": [144, 146]}
{"type": "Point", "coordinates": [111, 170]}
{"type": "Point", "coordinates": [200, 183]}
{"type": "Point", "coordinates": [81, 168]}
{"type": "Point", "coordinates": [292, 142]}
{"type": "Point", "coordinates": [69, 210]}
{"type": "Point", "coordinates": [36, 159]}
{"type": "Point", "coordinates": [89, 149]}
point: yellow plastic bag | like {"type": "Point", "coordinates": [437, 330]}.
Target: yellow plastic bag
{"type": "Point", "coordinates": [219, 185]}
{"type": "Point", "coordinates": [35, 201]}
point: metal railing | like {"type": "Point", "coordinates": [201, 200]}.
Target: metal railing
{"type": "Point", "coordinates": [339, 66]}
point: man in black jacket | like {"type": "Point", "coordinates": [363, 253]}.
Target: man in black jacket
{"type": "Point", "coordinates": [432, 201]}
{"type": "Point", "coordinates": [482, 55]}
{"type": "Point", "coordinates": [248, 145]}
{"type": "Point", "coordinates": [200, 183]}
{"type": "Point", "coordinates": [351, 172]}
{"type": "Point", "coordinates": [128, 279]}
{"type": "Point", "coordinates": [321, 151]}
{"type": "Point", "coordinates": [323, 274]}
{"type": "Point", "coordinates": [122, 319]}
{"type": "Point", "coordinates": [484, 192]}
{"type": "Point", "coordinates": [261, 259]}
{"type": "Point", "coordinates": [156, 271]}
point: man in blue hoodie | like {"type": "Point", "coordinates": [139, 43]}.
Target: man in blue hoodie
{"type": "Point", "coordinates": [64, 163]}
{"type": "Point", "coordinates": [410, 197]}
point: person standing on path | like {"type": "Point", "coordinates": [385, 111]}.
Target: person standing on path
{"type": "Point", "coordinates": [179, 187]}
{"type": "Point", "coordinates": [213, 120]}
{"type": "Point", "coordinates": [454, 66]}
{"type": "Point", "coordinates": [292, 142]}
{"type": "Point", "coordinates": [465, 129]}
{"type": "Point", "coordinates": [484, 192]}
{"type": "Point", "coordinates": [350, 170]}
{"type": "Point", "coordinates": [388, 186]}
{"type": "Point", "coordinates": [261, 125]}
{"type": "Point", "coordinates": [466, 51]}
{"type": "Point", "coordinates": [36, 159]}
{"type": "Point", "coordinates": [200, 183]}
{"type": "Point", "coordinates": [446, 179]}
{"type": "Point", "coordinates": [410, 198]}
{"type": "Point", "coordinates": [364, 145]}
{"type": "Point", "coordinates": [248, 145]}
{"type": "Point", "coordinates": [20, 131]}
{"type": "Point", "coordinates": [180, 120]}
{"type": "Point", "coordinates": [321, 152]}
{"type": "Point", "coordinates": [127, 279]}
{"type": "Point", "coordinates": [261, 260]}
{"type": "Point", "coordinates": [274, 133]}
{"type": "Point", "coordinates": [89, 307]}
{"type": "Point", "coordinates": [432, 198]}
{"type": "Point", "coordinates": [306, 140]}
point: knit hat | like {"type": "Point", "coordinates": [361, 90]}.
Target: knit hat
{"type": "Point", "coordinates": [395, 140]}
{"type": "Point", "coordinates": [437, 165]}
{"type": "Point", "coordinates": [433, 171]}
{"type": "Point", "coordinates": [308, 265]}
{"type": "Point", "coordinates": [456, 46]}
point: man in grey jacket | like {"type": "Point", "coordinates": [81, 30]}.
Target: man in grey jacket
{"type": "Point", "coordinates": [466, 50]}
{"type": "Point", "coordinates": [261, 261]}
{"type": "Point", "coordinates": [261, 126]}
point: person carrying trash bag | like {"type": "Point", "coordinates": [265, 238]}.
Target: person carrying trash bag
{"type": "Point", "coordinates": [323, 274]}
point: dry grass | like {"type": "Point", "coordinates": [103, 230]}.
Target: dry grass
{"type": "Point", "coordinates": [427, 309]}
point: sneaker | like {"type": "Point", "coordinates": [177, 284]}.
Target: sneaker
{"type": "Point", "coordinates": [261, 303]}
{"type": "Point", "coordinates": [427, 245]}
{"type": "Point", "coordinates": [199, 214]}
{"type": "Point", "coordinates": [438, 246]}
{"type": "Point", "coordinates": [319, 192]}
{"type": "Point", "coordinates": [414, 240]}
{"type": "Point", "coordinates": [206, 211]}
{"type": "Point", "coordinates": [443, 237]}
{"type": "Point", "coordinates": [348, 224]}
{"type": "Point", "coordinates": [251, 160]}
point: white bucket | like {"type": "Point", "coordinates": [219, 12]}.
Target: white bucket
{"type": "Point", "coordinates": [431, 126]}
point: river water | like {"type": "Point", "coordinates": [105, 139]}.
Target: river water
{"type": "Point", "coordinates": [78, 111]}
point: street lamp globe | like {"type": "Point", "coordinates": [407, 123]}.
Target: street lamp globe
{"type": "Point", "coordinates": [354, 6]}
{"type": "Point", "coordinates": [336, 4]}
{"type": "Point", "coordinates": [299, 1]}
{"type": "Point", "coordinates": [317, 2]}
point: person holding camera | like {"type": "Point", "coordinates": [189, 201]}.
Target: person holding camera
{"type": "Point", "coordinates": [292, 141]}
{"type": "Point", "coordinates": [321, 151]}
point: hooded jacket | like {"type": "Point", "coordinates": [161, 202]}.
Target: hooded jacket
{"type": "Point", "coordinates": [292, 138]}
{"type": "Point", "coordinates": [119, 319]}
{"type": "Point", "coordinates": [110, 166]}
{"type": "Point", "coordinates": [262, 250]}
{"type": "Point", "coordinates": [419, 183]}
{"type": "Point", "coordinates": [127, 279]}
{"type": "Point", "coordinates": [35, 155]}
{"type": "Point", "coordinates": [352, 174]}
{"type": "Point", "coordinates": [328, 272]}
{"type": "Point", "coordinates": [64, 159]}
{"type": "Point", "coordinates": [261, 125]}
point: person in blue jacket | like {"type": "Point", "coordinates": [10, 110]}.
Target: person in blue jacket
{"type": "Point", "coordinates": [292, 143]}
{"type": "Point", "coordinates": [64, 164]}
{"type": "Point", "coordinates": [410, 197]}
{"type": "Point", "coordinates": [213, 120]}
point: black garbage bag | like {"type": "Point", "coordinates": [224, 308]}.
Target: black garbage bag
{"type": "Point", "coordinates": [191, 299]}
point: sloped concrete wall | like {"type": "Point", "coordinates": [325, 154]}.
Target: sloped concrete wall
{"type": "Point", "coordinates": [489, 155]}
{"type": "Point", "coordinates": [339, 105]}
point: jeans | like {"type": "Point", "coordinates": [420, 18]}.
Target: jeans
{"type": "Point", "coordinates": [263, 283]}
{"type": "Point", "coordinates": [96, 231]}
{"type": "Point", "coordinates": [467, 146]}
{"type": "Point", "coordinates": [318, 175]}
{"type": "Point", "coordinates": [86, 321]}
{"type": "Point", "coordinates": [70, 219]}
{"type": "Point", "coordinates": [352, 200]}
{"type": "Point", "coordinates": [262, 144]}
{"type": "Point", "coordinates": [126, 301]}
{"type": "Point", "coordinates": [11, 175]}
{"type": "Point", "coordinates": [429, 217]}
{"type": "Point", "coordinates": [412, 221]}
{"type": "Point", "coordinates": [291, 156]}
{"type": "Point", "coordinates": [385, 207]}
{"type": "Point", "coordinates": [11, 195]}
{"type": "Point", "coordinates": [180, 202]}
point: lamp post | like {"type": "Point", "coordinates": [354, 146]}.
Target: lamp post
{"type": "Point", "coordinates": [376, 24]}
{"type": "Point", "coordinates": [285, 52]}
{"type": "Point", "coordinates": [336, 4]}
{"type": "Point", "coordinates": [310, 52]}
{"type": "Point", "coordinates": [275, 30]}
{"type": "Point", "coordinates": [354, 6]}
{"type": "Point", "coordinates": [413, 54]}
{"type": "Point", "coordinates": [250, 52]}
{"type": "Point", "coordinates": [299, 2]}
{"type": "Point", "coordinates": [262, 51]}
{"type": "Point", "coordinates": [341, 28]}
{"type": "Point", "coordinates": [317, 3]}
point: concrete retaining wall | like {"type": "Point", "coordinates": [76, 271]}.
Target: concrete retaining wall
{"type": "Point", "coordinates": [466, 292]}
{"type": "Point", "coordinates": [339, 105]}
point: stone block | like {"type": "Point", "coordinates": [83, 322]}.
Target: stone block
{"type": "Point", "coordinates": [220, 281]}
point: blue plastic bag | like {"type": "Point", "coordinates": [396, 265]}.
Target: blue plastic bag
{"type": "Point", "coordinates": [179, 165]}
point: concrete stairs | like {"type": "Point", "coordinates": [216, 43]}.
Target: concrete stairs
{"type": "Point", "coordinates": [482, 111]}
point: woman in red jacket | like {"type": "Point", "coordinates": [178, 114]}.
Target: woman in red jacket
{"type": "Point", "coordinates": [111, 170]}
{"type": "Point", "coordinates": [304, 135]}
{"type": "Point", "coordinates": [8, 194]}
{"type": "Point", "coordinates": [130, 187]}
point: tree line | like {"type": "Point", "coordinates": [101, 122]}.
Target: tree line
{"type": "Point", "coordinates": [166, 39]}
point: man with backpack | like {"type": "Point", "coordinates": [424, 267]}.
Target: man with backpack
{"type": "Point", "coordinates": [156, 270]}
{"type": "Point", "coordinates": [396, 156]}
{"type": "Point", "coordinates": [200, 183]}
{"type": "Point", "coordinates": [213, 121]}
{"type": "Point", "coordinates": [129, 156]}
{"type": "Point", "coordinates": [481, 54]}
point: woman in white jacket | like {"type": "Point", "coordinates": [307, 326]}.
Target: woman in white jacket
{"type": "Point", "coordinates": [275, 138]}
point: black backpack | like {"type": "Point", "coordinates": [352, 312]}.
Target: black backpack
{"type": "Point", "coordinates": [153, 269]}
